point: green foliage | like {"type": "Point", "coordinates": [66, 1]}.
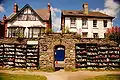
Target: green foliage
{"type": "Point", "coordinates": [4, 76]}
{"type": "Point", "coordinates": [99, 69]}
{"type": "Point", "coordinates": [19, 33]}
{"type": "Point", "coordinates": [48, 69]}
{"type": "Point", "coordinates": [49, 31]}
{"type": "Point", "coordinates": [71, 69]}
{"type": "Point", "coordinates": [67, 30]}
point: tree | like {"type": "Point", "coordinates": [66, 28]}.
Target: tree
{"type": "Point", "coordinates": [113, 34]}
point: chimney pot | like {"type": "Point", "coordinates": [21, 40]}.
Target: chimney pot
{"type": "Point", "coordinates": [49, 7]}
{"type": "Point", "coordinates": [15, 9]}
{"type": "Point", "coordinates": [85, 8]}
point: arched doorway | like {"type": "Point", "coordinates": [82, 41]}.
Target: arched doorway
{"type": "Point", "coordinates": [59, 56]}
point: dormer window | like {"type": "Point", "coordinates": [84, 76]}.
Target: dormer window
{"type": "Point", "coordinates": [73, 22]}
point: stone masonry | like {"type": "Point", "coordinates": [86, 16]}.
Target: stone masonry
{"type": "Point", "coordinates": [47, 44]}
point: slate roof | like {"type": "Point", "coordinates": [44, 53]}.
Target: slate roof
{"type": "Point", "coordinates": [80, 13]}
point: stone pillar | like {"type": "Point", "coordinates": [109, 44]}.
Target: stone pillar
{"type": "Point", "coordinates": [69, 54]}
{"type": "Point", "coordinates": [46, 60]}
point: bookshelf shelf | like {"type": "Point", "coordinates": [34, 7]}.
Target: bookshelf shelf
{"type": "Point", "coordinates": [95, 55]}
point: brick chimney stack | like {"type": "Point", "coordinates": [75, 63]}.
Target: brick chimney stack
{"type": "Point", "coordinates": [49, 8]}
{"type": "Point", "coordinates": [49, 23]}
{"type": "Point", "coordinates": [5, 25]}
{"type": "Point", "coordinates": [15, 8]}
{"type": "Point", "coordinates": [85, 8]}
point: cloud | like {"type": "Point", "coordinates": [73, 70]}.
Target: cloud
{"type": "Point", "coordinates": [56, 19]}
{"type": "Point", "coordinates": [112, 8]}
{"type": "Point", "coordinates": [1, 8]}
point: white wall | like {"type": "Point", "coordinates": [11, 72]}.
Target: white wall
{"type": "Point", "coordinates": [100, 27]}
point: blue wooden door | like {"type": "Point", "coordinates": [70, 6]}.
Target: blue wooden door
{"type": "Point", "coordinates": [59, 55]}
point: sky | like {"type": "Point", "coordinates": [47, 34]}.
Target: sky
{"type": "Point", "coordinates": [110, 7]}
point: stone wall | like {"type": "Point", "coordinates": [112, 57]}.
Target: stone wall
{"type": "Point", "coordinates": [47, 44]}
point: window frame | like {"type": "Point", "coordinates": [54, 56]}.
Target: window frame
{"type": "Point", "coordinates": [85, 23]}
{"type": "Point", "coordinates": [95, 35]}
{"type": "Point", "coordinates": [25, 16]}
{"type": "Point", "coordinates": [105, 23]}
{"type": "Point", "coordinates": [94, 23]}
{"type": "Point", "coordinates": [13, 30]}
{"type": "Point", "coordinates": [73, 22]}
{"type": "Point", "coordinates": [32, 33]}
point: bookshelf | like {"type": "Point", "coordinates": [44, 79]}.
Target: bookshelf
{"type": "Point", "coordinates": [32, 59]}
{"type": "Point", "coordinates": [92, 55]}
{"type": "Point", "coordinates": [1, 55]}
{"type": "Point", "coordinates": [114, 56]}
{"type": "Point", "coordinates": [81, 55]}
{"type": "Point", "coordinates": [20, 56]}
{"type": "Point", "coordinates": [103, 55]}
{"type": "Point", "coordinates": [97, 55]}
{"type": "Point", "coordinates": [9, 55]}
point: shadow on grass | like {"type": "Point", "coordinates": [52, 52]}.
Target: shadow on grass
{"type": "Point", "coordinates": [114, 76]}
{"type": "Point", "coordinates": [4, 76]}
{"type": "Point", "coordinates": [1, 76]}
{"type": "Point", "coordinates": [106, 77]}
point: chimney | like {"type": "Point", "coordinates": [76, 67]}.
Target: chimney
{"type": "Point", "coordinates": [49, 7]}
{"type": "Point", "coordinates": [15, 9]}
{"type": "Point", "coordinates": [4, 17]}
{"type": "Point", "coordinates": [85, 8]}
{"type": "Point", "coordinates": [5, 25]}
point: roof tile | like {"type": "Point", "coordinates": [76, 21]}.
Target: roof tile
{"type": "Point", "coordinates": [80, 13]}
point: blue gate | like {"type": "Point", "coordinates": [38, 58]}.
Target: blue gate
{"type": "Point", "coordinates": [59, 56]}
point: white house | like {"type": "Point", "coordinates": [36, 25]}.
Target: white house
{"type": "Point", "coordinates": [87, 23]}
{"type": "Point", "coordinates": [27, 22]}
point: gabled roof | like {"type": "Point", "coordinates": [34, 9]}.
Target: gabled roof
{"type": "Point", "coordinates": [10, 16]}
{"type": "Point", "coordinates": [41, 13]}
{"type": "Point", "coordinates": [81, 14]}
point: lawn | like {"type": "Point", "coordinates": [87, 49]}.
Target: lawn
{"type": "Point", "coordinates": [4, 76]}
{"type": "Point", "coordinates": [106, 77]}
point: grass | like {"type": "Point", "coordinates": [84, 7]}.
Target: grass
{"type": "Point", "coordinates": [106, 77]}
{"type": "Point", "coordinates": [4, 76]}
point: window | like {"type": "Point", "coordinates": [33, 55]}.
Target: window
{"type": "Point", "coordinates": [27, 15]}
{"type": "Point", "coordinates": [73, 22]}
{"type": "Point", "coordinates": [84, 34]}
{"type": "Point", "coordinates": [84, 23]}
{"type": "Point", "coordinates": [16, 32]}
{"type": "Point", "coordinates": [95, 35]}
{"type": "Point", "coordinates": [105, 23]}
{"type": "Point", "coordinates": [94, 23]}
{"type": "Point", "coordinates": [34, 32]}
